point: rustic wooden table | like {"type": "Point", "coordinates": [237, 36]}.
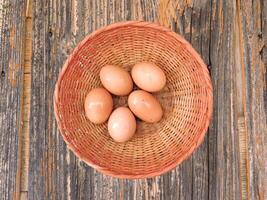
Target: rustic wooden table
{"type": "Point", "coordinates": [37, 36]}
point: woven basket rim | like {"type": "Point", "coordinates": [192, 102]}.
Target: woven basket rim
{"type": "Point", "coordinates": [209, 92]}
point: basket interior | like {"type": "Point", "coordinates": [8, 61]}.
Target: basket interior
{"type": "Point", "coordinates": [156, 146]}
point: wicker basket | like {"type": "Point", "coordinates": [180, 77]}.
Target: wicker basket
{"type": "Point", "coordinates": [186, 100]}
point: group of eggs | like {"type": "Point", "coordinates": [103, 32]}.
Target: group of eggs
{"type": "Point", "coordinates": [117, 81]}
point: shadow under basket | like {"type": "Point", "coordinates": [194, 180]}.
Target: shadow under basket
{"type": "Point", "coordinates": [186, 100]}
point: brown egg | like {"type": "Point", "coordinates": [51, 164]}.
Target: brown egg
{"type": "Point", "coordinates": [98, 105]}
{"type": "Point", "coordinates": [148, 76]}
{"type": "Point", "coordinates": [116, 80]}
{"type": "Point", "coordinates": [145, 106]}
{"type": "Point", "coordinates": [122, 124]}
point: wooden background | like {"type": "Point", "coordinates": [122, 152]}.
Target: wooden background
{"type": "Point", "coordinates": [37, 36]}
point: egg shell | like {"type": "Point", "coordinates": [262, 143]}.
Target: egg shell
{"type": "Point", "coordinates": [98, 105]}
{"type": "Point", "coordinates": [116, 80]}
{"type": "Point", "coordinates": [145, 106]}
{"type": "Point", "coordinates": [121, 124]}
{"type": "Point", "coordinates": [148, 76]}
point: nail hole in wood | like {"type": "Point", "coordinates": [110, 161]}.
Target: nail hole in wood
{"type": "Point", "coordinates": [260, 35]}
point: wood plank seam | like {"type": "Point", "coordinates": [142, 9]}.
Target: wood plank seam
{"type": "Point", "coordinates": [24, 136]}
{"type": "Point", "coordinates": [241, 122]}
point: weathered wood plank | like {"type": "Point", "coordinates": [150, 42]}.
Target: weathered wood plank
{"type": "Point", "coordinates": [224, 182]}
{"type": "Point", "coordinates": [12, 21]}
{"type": "Point", "coordinates": [50, 162]}
{"type": "Point", "coordinates": [253, 24]}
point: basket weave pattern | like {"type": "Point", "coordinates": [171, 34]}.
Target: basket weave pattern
{"type": "Point", "coordinates": [186, 100]}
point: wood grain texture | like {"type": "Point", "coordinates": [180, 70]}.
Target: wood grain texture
{"type": "Point", "coordinates": [12, 25]}
{"type": "Point", "coordinates": [253, 20]}
{"type": "Point", "coordinates": [231, 38]}
{"type": "Point", "coordinates": [223, 137]}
